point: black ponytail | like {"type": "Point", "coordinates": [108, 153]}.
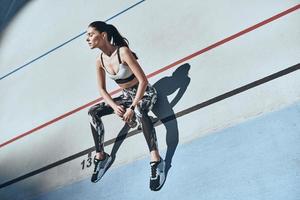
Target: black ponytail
{"type": "Point", "coordinates": [113, 35]}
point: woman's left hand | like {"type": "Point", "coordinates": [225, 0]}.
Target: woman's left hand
{"type": "Point", "coordinates": [128, 115]}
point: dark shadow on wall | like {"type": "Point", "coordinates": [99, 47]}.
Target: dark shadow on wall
{"type": "Point", "coordinates": [118, 141]}
{"type": "Point", "coordinates": [8, 10]}
{"type": "Point", "coordinates": [163, 109]}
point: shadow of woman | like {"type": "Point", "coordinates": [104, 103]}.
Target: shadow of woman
{"type": "Point", "coordinates": [117, 143]}
{"type": "Point", "coordinates": [163, 109]}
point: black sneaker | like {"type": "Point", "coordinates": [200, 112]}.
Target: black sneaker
{"type": "Point", "coordinates": [158, 176]}
{"type": "Point", "coordinates": [100, 167]}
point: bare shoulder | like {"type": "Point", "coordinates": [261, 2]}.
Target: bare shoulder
{"type": "Point", "coordinates": [124, 51]}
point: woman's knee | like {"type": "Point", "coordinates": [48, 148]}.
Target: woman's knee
{"type": "Point", "coordinates": [95, 114]}
{"type": "Point", "coordinates": [96, 109]}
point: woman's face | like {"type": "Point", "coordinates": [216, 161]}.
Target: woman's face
{"type": "Point", "coordinates": [94, 38]}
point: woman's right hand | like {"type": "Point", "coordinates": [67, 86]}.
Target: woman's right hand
{"type": "Point", "coordinates": [119, 110]}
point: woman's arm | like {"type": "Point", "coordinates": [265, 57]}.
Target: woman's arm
{"type": "Point", "coordinates": [102, 89]}
{"type": "Point", "coordinates": [131, 61]}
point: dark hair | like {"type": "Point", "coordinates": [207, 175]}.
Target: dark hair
{"type": "Point", "coordinates": [113, 34]}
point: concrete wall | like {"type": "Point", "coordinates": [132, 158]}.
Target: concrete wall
{"type": "Point", "coordinates": [64, 79]}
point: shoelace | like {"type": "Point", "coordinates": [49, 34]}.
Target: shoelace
{"type": "Point", "coordinates": [96, 164]}
{"type": "Point", "coordinates": [153, 170]}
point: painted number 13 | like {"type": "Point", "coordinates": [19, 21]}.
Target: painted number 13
{"type": "Point", "coordinates": [86, 163]}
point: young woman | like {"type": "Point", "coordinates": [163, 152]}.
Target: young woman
{"type": "Point", "coordinates": [119, 63]}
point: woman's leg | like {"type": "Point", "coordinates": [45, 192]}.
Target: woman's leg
{"type": "Point", "coordinates": [148, 129]}
{"type": "Point", "coordinates": [158, 176]}
{"type": "Point", "coordinates": [157, 164]}
{"type": "Point", "coordinates": [150, 135]}
{"type": "Point", "coordinates": [96, 112]}
{"type": "Point", "coordinates": [102, 160]}
{"type": "Point", "coordinates": [97, 128]}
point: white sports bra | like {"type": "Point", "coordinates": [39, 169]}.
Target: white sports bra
{"type": "Point", "coordinates": [124, 73]}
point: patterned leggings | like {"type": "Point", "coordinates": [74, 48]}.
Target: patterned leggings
{"type": "Point", "coordinates": [125, 99]}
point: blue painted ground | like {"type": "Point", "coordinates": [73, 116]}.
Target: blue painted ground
{"type": "Point", "coordinates": [257, 160]}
